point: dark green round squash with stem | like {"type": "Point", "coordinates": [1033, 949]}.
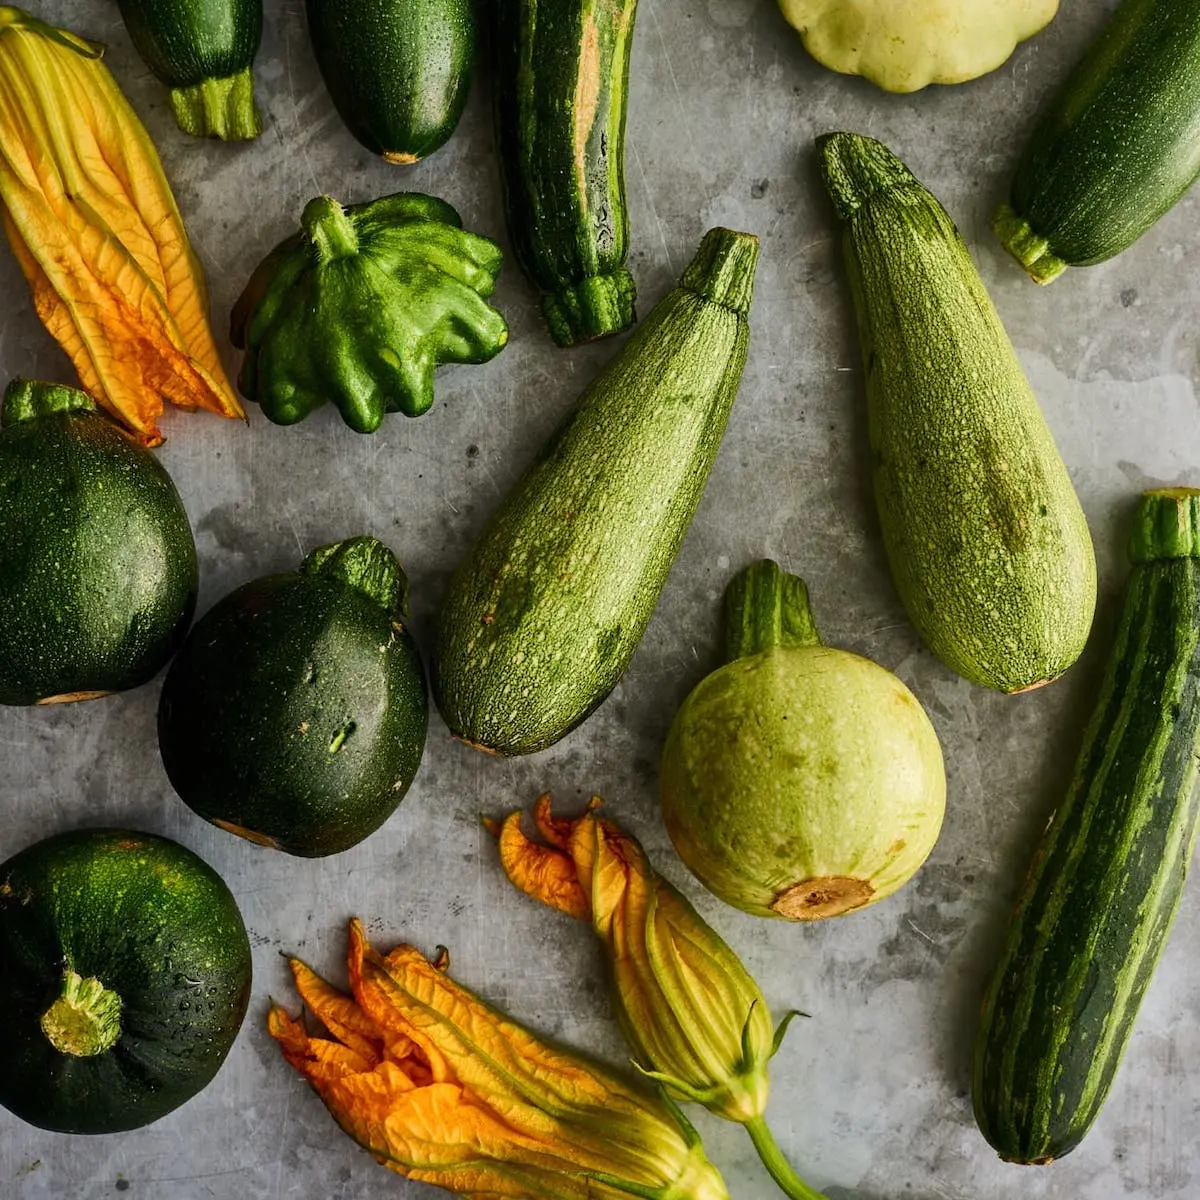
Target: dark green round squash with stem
{"type": "Point", "coordinates": [295, 713]}
{"type": "Point", "coordinates": [126, 975]}
{"type": "Point", "coordinates": [98, 571]}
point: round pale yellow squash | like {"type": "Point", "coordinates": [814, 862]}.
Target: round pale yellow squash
{"type": "Point", "coordinates": [904, 45]}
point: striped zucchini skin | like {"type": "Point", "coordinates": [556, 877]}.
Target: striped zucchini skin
{"type": "Point", "coordinates": [561, 92]}
{"type": "Point", "coordinates": [1099, 900]}
{"type": "Point", "coordinates": [986, 538]}
{"type": "Point", "coordinates": [1116, 148]}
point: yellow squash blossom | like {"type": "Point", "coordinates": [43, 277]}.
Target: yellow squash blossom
{"type": "Point", "coordinates": [697, 1021]}
{"type": "Point", "coordinates": [441, 1088]}
{"type": "Point", "coordinates": [97, 233]}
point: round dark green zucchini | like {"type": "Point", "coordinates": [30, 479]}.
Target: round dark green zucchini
{"type": "Point", "coordinates": [1100, 898]}
{"type": "Point", "coordinates": [126, 975]}
{"type": "Point", "coordinates": [98, 571]}
{"type": "Point", "coordinates": [1116, 148]}
{"type": "Point", "coordinates": [295, 713]}
{"type": "Point", "coordinates": [399, 71]}
{"type": "Point", "coordinates": [203, 50]}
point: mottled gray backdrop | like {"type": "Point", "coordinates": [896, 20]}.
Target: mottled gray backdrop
{"type": "Point", "coordinates": [871, 1094]}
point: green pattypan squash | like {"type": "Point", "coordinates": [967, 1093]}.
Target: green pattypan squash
{"type": "Point", "coordinates": [903, 45]}
{"type": "Point", "coordinates": [362, 306]}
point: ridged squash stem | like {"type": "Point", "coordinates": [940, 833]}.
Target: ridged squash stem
{"type": "Point", "coordinates": [366, 564]}
{"type": "Point", "coordinates": [330, 230]}
{"type": "Point", "coordinates": [85, 1020]}
{"type": "Point", "coordinates": [766, 608]}
{"type": "Point", "coordinates": [777, 1166]}
{"type": "Point", "coordinates": [220, 108]}
{"type": "Point", "coordinates": [28, 399]}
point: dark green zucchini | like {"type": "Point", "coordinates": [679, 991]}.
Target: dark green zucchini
{"type": "Point", "coordinates": [295, 714]}
{"type": "Point", "coordinates": [98, 571]}
{"type": "Point", "coordinates": [203, 50]}
{"type": "Point", "coordinates": [125, 978]}
{"type": "Point", "coordinates": [543, 615]}
{"type": "Point", "coordinates": [561, 90]}
{"type": "Point", "coordinates": [399, 71]}
{"type": "Point", "coordinates": [1116, 148]}
{"type": "Point", "coordinates": [1099, 900]}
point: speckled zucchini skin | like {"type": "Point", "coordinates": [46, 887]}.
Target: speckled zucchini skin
{"type": "Point", "coordinates": [543, 615]}
{"type": "Point", "coordinates": [562, 86]}
{"type": "Point", "coordinates": [399, 71]}
{"type": "Point", "coordinates": [1116, 148]}
{"type": "Point", "coordinates": [1099, 900]}
{"type": "Point", "coordinates": [986, 538]}
{"type": "Point", "coordinates": [295, 713]}
{"type": "Point", "coordinates": [98, 571]}
{"type": "Point", "coordinates": [156, 925]}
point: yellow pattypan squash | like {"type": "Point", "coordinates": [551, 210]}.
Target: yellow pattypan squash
{"type": "Point", "coordinates": [903, 45]}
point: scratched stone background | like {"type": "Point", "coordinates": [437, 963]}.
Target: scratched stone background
{"type": "Point", "coordinates": [870, 1093]}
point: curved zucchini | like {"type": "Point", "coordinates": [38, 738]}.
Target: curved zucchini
{"type": "Point", "coordinates": [1098, 904]}
{"type": "Point", "coordinates": [203, 50]}
{"type": "Point", "coordinates": [542, 617]}
{"type": "Point", "coordinates": [987, 541]}
{"type": "Point", "coordinates": [1117, 147]}
{"type": "Point", "coordinates": [398, 71]}
{"type": "Point", "coordinates": [561, 91]}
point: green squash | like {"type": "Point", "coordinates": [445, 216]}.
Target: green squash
{"type": "Point", "coordinates": [986, 538]}
{"type": "Point", "coordinates": [399, 71]}
{"type": "Point", "coordinates": [905, 45]}
{"type": "Point", "coordinates": [1100, 897]}
{"type": "Point", "coordinates": [362, 306]}
{"type": "Point", "coordinates": [98, 571]}
{"type": "Point", "coordinates": [295, 713]}
{"type": "Point", "coordinates": [562, 89]}
{"type": "Point", "coordinates": [126, 978]}
{"type": "Point", "coordinates": [543, 615]}
{"type": "Point", "coordinates": [203, 50]}
{"type": "Point", "coordinates": [797, 780]}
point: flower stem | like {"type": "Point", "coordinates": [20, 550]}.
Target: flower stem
{"type": "Point", "coordinates": [777, 1166]}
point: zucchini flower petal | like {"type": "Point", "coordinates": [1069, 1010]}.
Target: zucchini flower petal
{"type": "Point", "coordinates": [442, 1088]}
{"type": "Point", "coordinates": [97, 234]}
{"type": "Point", "coordinates": [698, 1022]}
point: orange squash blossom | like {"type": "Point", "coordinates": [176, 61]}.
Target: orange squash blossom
{"type": "Point", "coordinates": [444, 1089]}
{"type": "Point", "coordinates": [97, 233]}
{"type": "Point", "coordinates": [697, 1021]}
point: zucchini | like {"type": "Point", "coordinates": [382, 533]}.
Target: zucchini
{"type": "Point", "coordinates": [295, 714]}
{"type": "Point", "coordinates": [561, 91]}
{"type": "Point", "coordinates": [126, 978]}
{"type": "Point", "coordinates": [542, 617]}
{"type": "Point", "coordinates": [398, 71]}
{"type": "Point", "coordinates": [1116, 148]}
{"type": "Point", "coordinates": [98, 571]}
{"type": "Point", "coordinates": [987, 541]}
{"type": "Point", "coordinates": [1097, 906]}
{"type": "Point", "coordinates": [203, 50]}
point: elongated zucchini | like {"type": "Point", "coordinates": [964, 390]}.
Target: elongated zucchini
{"type": "Point", "coordinates": [561, 89]}
{"type": "Point", "coordinates": [398, 71]}
{"type": "Point", "coordinates": [1116, 148]}
{"type": "Point", "coordinates": [987, 541]}
{"type": "Point", "coordinates": [1099, 900]}
{"type": "Point", "coordinates": [203, 50]}
{"type": "Point", "coordinates": [542, 617]}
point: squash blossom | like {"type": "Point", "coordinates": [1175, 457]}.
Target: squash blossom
{"type": "Point", "coordinates": [444, 1089]}
{"type": "Point", "coordinates": [97, 233]}
{"type": "Point", "coordinates": [697, 1021]}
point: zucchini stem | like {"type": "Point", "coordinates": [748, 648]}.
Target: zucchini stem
{"type": "Point", "coordinates": [85, 1020]}
{"type": "Point", "coordinates": [220, 108]}
{"type": "Point", "coordinates": [766, 609]}
{"type": "Point", "coordinates": [777, 1166]}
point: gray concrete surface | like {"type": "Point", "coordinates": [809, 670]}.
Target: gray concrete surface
{"type": "Point", "coordinates": [871, 1094]}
